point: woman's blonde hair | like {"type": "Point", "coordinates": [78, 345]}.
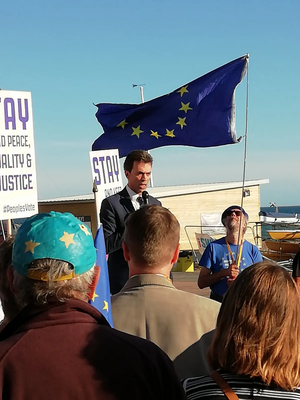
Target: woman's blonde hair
{"type": "Point", "coordinates": [258, 327]}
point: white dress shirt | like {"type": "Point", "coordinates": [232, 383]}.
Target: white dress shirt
{"type": "Point", "coordinates": [133, 198]}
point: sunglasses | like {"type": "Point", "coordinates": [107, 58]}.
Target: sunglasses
{"type": "Point", "coordinates": [238, 213]}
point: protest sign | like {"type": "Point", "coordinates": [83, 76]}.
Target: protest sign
{"type": "Point", "coordinates": [18, 186]}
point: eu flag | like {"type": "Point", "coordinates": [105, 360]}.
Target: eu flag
{"type": "Point", "coordinates": [101, 298]}
{"type": "Point", "coordinates": [200, 113]}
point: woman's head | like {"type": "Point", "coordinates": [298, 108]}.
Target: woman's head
{"type": "Point", "coordinates": [258, 328]}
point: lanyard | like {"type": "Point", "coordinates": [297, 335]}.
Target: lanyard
{"type": "Point", "coordinates": [231, 255]}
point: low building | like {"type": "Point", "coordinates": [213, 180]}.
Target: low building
{"type": "Point", "coordinates": [186, 202]}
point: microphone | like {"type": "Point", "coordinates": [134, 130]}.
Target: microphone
{"type": "Point", "coordinates": [145, 197]}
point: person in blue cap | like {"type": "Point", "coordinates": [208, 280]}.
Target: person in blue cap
{"type": "Point", "coordinates": [225, 258]}
{"type": "Point", "coordinates": [58, 345]}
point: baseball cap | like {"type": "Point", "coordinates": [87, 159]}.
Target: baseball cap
{"type": "Point", "coordinates": [55, 235]}
{"type": "Point", "coordinates": [233, 208]}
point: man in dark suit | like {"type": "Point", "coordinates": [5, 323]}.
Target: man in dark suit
{"type": "Point", "coordinates": [115, 209]}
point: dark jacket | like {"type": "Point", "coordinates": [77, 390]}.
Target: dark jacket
{"type": "Point", "coordinates": [114, 210]}
{"type": "Point", "coordinates": [68, 351]}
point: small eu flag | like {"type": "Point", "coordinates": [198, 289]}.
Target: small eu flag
{"type": "Point", "coordinates": [200, 113]}
{"type": "Point", "coordinates": [101, 297]}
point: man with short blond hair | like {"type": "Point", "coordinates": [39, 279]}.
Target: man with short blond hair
{"type": "Point", "coordinates": [152, 236]}
{"type": "Point", "coordinates": [149, 305]}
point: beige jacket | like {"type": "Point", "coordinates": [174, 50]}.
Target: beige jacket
{"type": "Point", "coordinates": [151, 307]}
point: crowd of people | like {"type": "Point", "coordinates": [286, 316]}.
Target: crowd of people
{"type": "Point", "coordinates": [242, 343]}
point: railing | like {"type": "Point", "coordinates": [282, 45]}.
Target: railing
{"type": "Point", "coordinates": [199, 236]}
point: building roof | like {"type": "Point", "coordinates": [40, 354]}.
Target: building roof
{"type": "Point", "coordinates": [167, 191]}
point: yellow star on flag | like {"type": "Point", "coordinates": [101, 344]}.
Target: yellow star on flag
{"type": "Point", "coordinates": [155, 134]}
{"type": "Point", "coordinates": [185, 107]}
{"type": "Point", "coordinates": [94, 296]}
{"type": "Point", "coordinates": [183, 90]}
{"type": "Point", "coordinates": [181, 122]}
{"type": "Point", "coordinates": [105, 305]}
{"type": "Point", "coordinates": [67, 238]}
{"type": "Point", "coordinates": [85, 230]}
{"type": "Point", "coordinates": [122, 124]}
{"type": "Point", "coordinates": [170, 133]}
{"type": "Point", "coordinates": [30, 246]}
{"type": "Point", "coordinates": [137, 131]}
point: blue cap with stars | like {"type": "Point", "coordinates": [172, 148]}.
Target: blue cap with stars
{"type": "Point", "coordinates": [55, 235]}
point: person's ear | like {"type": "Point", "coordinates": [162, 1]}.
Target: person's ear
{"type": "Point", "coordinates": [127, 174]}
{"type": "Point", "coordinates": [245, 225]}
{"type": "Point", "coordinates": [126, 252]}
{"type": "Point", "coordinates": [176, 254]}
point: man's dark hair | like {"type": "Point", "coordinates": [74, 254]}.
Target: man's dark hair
{"type": "Point", "coordinates": [136, 155]}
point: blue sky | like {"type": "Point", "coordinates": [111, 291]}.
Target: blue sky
{"type": "Point", "coordinates": [71, 54]}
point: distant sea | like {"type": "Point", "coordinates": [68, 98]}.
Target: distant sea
{"type": "Point", "coordinates": [281, 209]}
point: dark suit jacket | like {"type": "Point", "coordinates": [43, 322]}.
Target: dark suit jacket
{"type": "Point", "coordinates": [113, 212]}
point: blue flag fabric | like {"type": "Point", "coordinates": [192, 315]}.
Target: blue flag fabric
{"type": "Point", "coordinates": [200, 113]}
{"type": "Point", "coordinates": [101, 299]}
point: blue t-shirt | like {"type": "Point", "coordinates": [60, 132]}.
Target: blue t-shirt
{"type": "Point", "coordinates": [216, 257]}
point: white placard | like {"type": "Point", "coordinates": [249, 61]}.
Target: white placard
{"type": "Point", "coordinates": [106, 172]}
{"type": "Point", "coordinates": [202, 240]}
{"type": "Point", "coordinates": [211, 224]}
{"type": "Point", "coordinates": [18, 186]}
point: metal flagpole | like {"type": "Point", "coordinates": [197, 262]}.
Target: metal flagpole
{"type": "Point", "coordinates": [143, 101]}
{"type": "Point", "coordinates": [245, 151]}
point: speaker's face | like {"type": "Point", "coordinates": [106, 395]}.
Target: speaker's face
{"type": "Point", "coordinates": [139, 176]}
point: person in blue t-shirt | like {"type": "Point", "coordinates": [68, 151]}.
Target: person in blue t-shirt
{"type": "Point", "coordinates": [225, 258]}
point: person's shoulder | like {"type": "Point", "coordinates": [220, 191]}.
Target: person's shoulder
{"type": "Point", "coordinates": [220, 241]}
{"type": "Point", "coordinates": [136, 288]}
{"type": "Point", "coordinates": [251, 246]}
{"type": "Point", "coordinates": [196, 300]}
{"type": "Point", "coordinates": [196, 382]}
{"type": "Point", "coordinates": [143, 346]}
{"type": "Point", "coordinates": [124, 295]}
{"type": "Point", "coordinates": [9, 344]}
{"type": "Point", "coordinates": [154, 200]}
{"type": "Point", "coordinates": [115, 197]}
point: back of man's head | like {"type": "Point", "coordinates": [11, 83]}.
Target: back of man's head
{"type": "Point", "coordinates": [139, 156]}
{"type": "Point", "coordinates": [53, 258]}
{"type": "Point", "coordinates": [151, 236]}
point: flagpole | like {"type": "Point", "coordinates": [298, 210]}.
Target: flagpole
{"type": "Point", "coordinates": [142, 93]}
{"type": "Point", "coordinates": [143, 101]}
{"type": "Point", "coordinates": [245, 150]}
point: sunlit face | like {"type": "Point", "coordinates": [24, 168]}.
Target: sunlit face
{"type": "Point", "coordinates": [232, 220]}
{"type": "Point", "coordinates": [139, 176]}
